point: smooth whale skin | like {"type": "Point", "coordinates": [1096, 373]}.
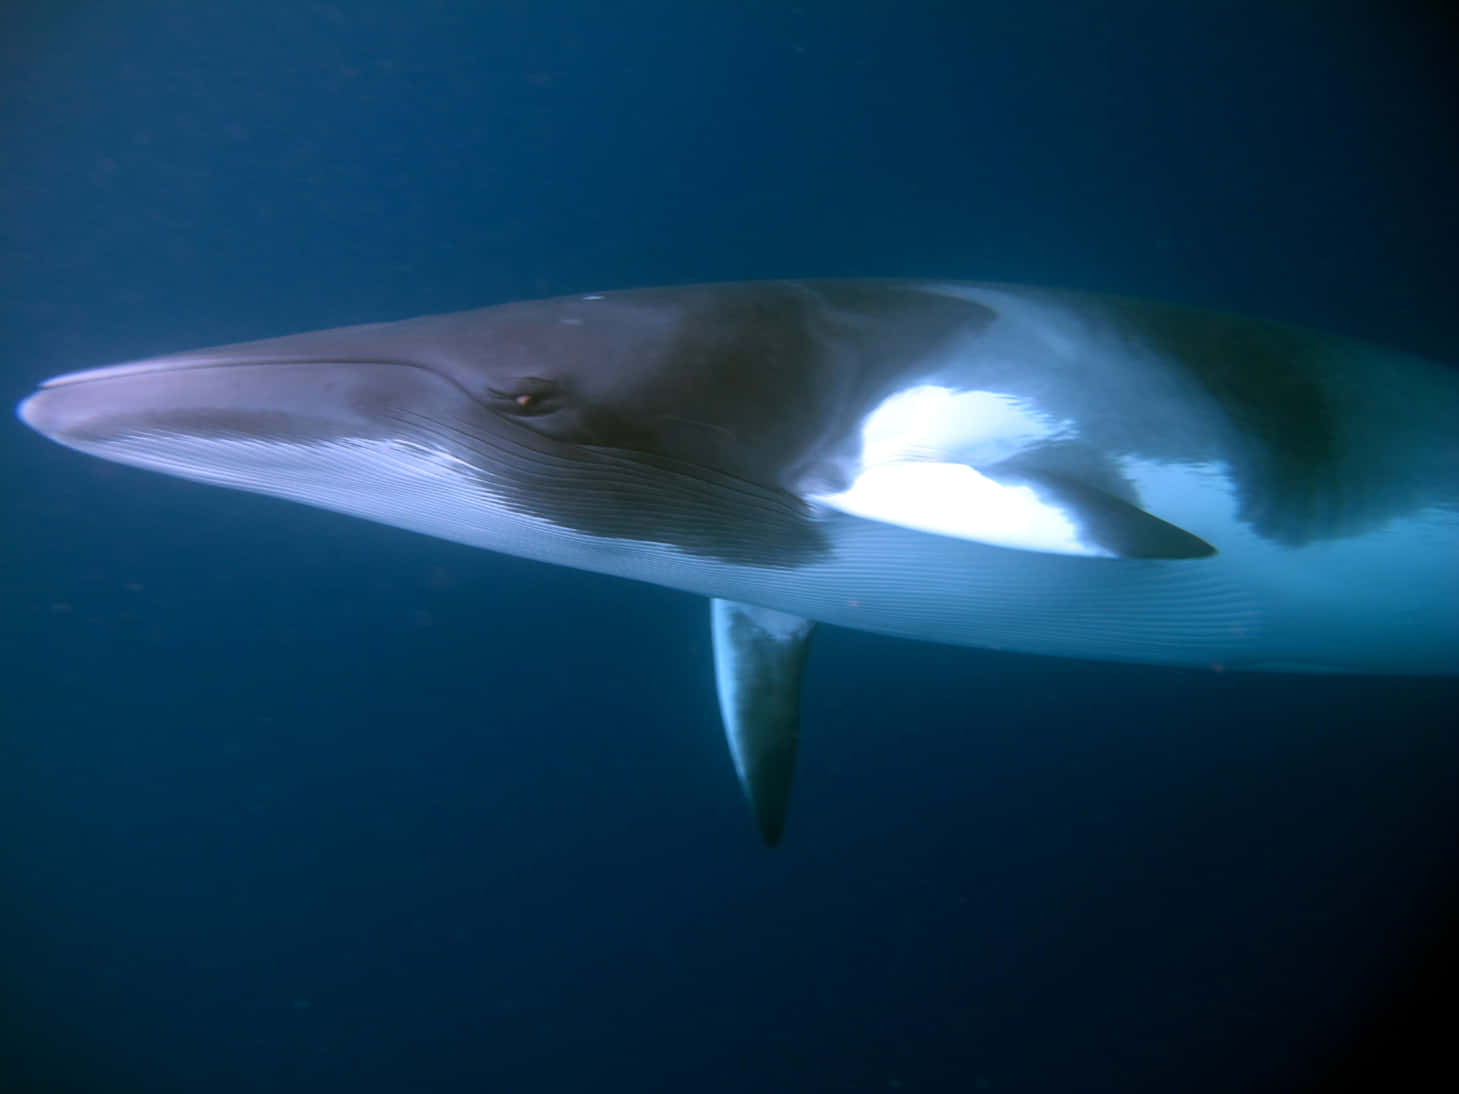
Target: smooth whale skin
{"type": "Point", "coordinates": [985, 465]}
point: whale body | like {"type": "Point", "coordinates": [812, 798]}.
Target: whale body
{"type": "Point", "coordinates": [987, 465]}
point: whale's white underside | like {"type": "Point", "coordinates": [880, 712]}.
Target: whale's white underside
{"type": "Point", "coordinates": [1378, 602]}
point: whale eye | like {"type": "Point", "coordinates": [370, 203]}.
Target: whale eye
{"type": "Point", "coordinates": [528, 396]}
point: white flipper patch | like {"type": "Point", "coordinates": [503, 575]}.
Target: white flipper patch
{"type": "Point", "coordinates": [938, 460]}
{"type": "Point", "coordinates": [953, 499]}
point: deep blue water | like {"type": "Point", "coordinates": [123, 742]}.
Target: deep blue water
{"type": "Point", "coordinates": [290, 802]}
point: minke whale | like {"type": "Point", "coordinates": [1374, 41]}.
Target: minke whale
{"type": "Point", "coordinates": [986, 465]}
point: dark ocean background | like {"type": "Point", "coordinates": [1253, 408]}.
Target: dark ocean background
{"type": "Point", "coordinates": [290, 802]}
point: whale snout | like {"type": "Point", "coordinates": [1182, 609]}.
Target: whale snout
{"type": "Point", "coordinates": [42, 414]}
{"type": "Point", "coordinates": [207, 397]}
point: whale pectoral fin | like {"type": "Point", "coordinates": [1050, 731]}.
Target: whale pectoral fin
{"type": "Point", "coordinates": [759, 654]}
{"type": "Point", "coordinates": [1023, 510]}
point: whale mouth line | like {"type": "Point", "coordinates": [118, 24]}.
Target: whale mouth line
{"type": "Point", "coordinates": [197, 364]}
